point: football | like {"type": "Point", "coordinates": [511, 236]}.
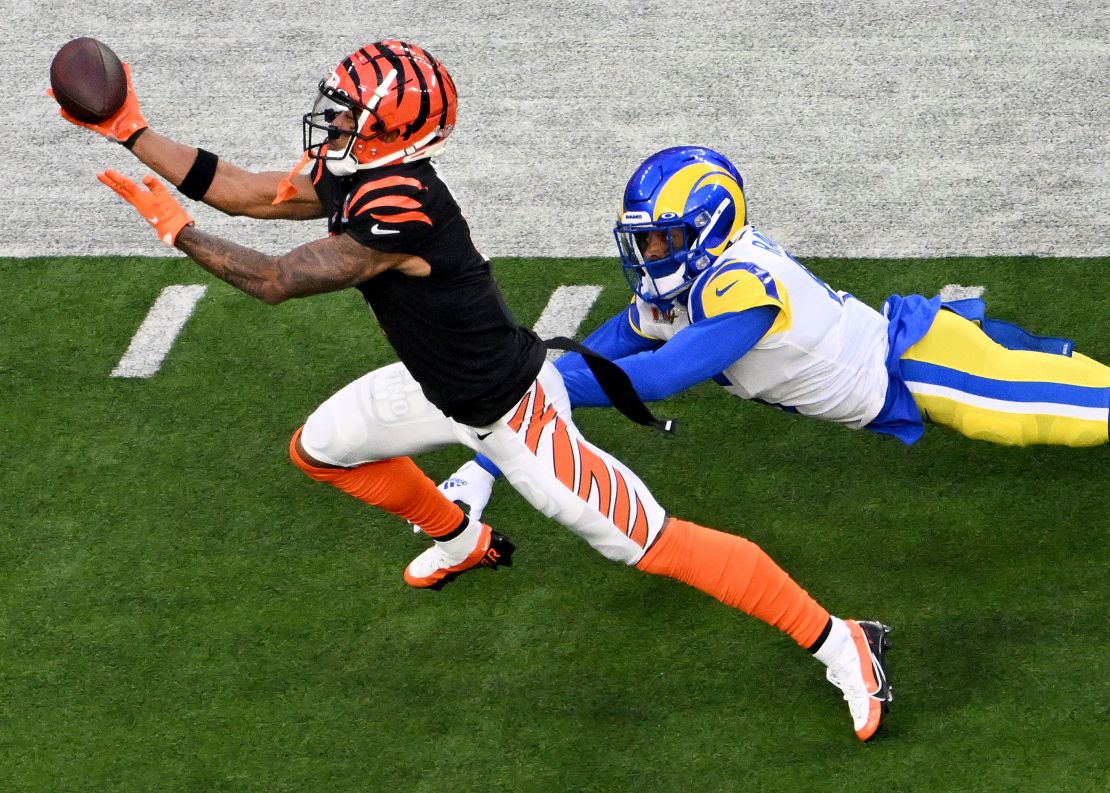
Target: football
{"type": "Point", "coordinates": [88, 80]}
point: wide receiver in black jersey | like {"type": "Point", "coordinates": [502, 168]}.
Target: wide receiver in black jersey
{"type": "Point", "coordinates": [467, 373]}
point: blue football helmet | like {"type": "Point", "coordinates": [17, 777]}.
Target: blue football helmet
{"type": "Point", "coordinates": [682, 207]}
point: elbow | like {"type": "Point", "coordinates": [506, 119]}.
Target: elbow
{"type": "Point", "coordinates": [273, 297]}
{"type": "Point", "coordinates": [270, 293]}
{"type": "Point", "coordinates": [656, 392]}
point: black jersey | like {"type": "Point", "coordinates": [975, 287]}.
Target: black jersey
{"type": "Point", "coordinates": [451, 329]}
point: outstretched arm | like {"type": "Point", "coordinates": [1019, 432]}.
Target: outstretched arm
{"type": "Point", "coordinates": [233, 190]}
{"type": "Point", "coordinates": [694, 354]}
{"type": "Point", "coordinates": [325, 265]}
{"type": "Point", "coordinates": [615, 338]}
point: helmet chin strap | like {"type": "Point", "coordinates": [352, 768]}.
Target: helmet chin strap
{"type": "Point", "coordinates": [654, 289]}
{"type": "Point", "coordinates": [344, 167]}
{"type": "Point", "coordinates": [669, 283]}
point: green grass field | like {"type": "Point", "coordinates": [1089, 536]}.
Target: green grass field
{"type": "Point", "coordinates": [182, 610]}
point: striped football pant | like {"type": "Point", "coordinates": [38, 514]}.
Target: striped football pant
{"type": "Point", "coordinates": [536, 445]}
{"type": "Point", "coordinates": [962, 379]}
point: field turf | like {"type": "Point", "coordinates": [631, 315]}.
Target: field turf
{"type": "Point", "coordinates": [182, 610]}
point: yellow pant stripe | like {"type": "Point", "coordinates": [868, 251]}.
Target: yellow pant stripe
{"type": "Point", "coordinates": [962, 379]}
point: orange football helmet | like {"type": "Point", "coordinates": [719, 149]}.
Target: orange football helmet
{"type": "Point", "coordinates": [380, 89]}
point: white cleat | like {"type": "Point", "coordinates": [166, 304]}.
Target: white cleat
{"type": "Point", "coordinates": [477, 546]}
{"type": "Point", "coordinates": [860, 674]}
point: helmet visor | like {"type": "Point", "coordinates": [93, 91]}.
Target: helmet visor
{"type": "Point", "coordinates": [654, 257]}
{"type": "Point", "coordinates": [335, 122]}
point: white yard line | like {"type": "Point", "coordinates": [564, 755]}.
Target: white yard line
{"type": "Point", "coordinates": [565, 311]}
{"type": "Point", "coordinates": [154, 338]}
{"type": "Point", "coordinates": [960, 292]}
{"type": "Point", "coordinates": [562, 316]}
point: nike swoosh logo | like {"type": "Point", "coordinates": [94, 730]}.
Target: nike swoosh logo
{"type": "Point", "coordinates": [483, 435]}
{"type": "Point", "coordinates": [376, 229]}
{"type": "Point", "coordinates": [720, 292]}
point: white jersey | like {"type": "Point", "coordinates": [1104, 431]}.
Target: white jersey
{"type": "Point", "coordinates": [825, 354]}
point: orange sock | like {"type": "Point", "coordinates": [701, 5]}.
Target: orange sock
{"type": "Point", "coordinates": [739, 574]}
{"type": "Point", "coordinates": [396, 485]}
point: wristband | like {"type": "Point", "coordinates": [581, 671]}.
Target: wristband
{"type": "Point", "coordinates": [130, 142]}
{"type": "Point", "coordinates": [200, 176]}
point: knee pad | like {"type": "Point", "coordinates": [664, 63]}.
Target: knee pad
{"type": "Point", "coordinates": [319, 474]}
{"type": "Point", "coordinates": [335, 437]}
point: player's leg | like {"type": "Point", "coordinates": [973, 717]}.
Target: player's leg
{"type": "Point", "coordinates": [740, 574]}
{"type": "Point", "coordinates": [962, 379]}
{"type": "Point", "coordinates": [359, 441]}
{"type": "Point", "coordinates": [546, 458]}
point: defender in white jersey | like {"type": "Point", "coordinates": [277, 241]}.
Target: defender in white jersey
{"type": "Point", "coordinates": [825, 352]}
{"type": "Point", "coordinates": [714, 298]}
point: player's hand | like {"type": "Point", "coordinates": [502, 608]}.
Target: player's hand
{"type": "Point", "coordinates": [472, 485]}
{"type": "Point", "coordinates": [121, 125]}
{"type": "Point", "coordinates": [157, 206]}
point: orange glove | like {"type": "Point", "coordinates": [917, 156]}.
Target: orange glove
{"type": "Point", "coordinates": [121, 125]}
{"type": "Point", "coordinates": [155, 204]}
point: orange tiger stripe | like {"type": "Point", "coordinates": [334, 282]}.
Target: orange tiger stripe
{"type": "Point", "coordinates": [639, 533]}
{"type": "Point", "coordinates": [536, 425]}
{"type": "Point", "coordinates": [521, 411]}
{"type": "Point", "coordinates": [594, 472]}
{"type": "Point", "coordinates": [404, 217]}
{"type": "Point", "coordinates": [383, 183]}
{"type": "Point", "coordinates": [398, 201]}
{"type": "Point", "coordinates": [563, 454]}
{"type": "Point", "coordinates": [622, 507]}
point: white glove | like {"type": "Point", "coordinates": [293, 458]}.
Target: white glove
{"type": "Point", "coordinates": [471, 484]}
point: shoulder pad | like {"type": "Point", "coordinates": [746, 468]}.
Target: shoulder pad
{"type": "Point", "coordinates": [733, 286]}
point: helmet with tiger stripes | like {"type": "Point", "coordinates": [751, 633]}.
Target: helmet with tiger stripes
{"type": "Point", "coordinates": [385, 103]}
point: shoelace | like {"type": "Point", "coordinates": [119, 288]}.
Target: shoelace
{"type": "Point", "coordinates": [855, 695]}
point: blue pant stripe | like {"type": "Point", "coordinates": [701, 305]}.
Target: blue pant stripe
{"type": "Point", "coordinates": [1009, 390]}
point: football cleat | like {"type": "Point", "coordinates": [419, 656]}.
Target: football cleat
{"type": "Point", "coordinates": [478, 546]}
{"type": "Point", "coordinates": [860, 674]}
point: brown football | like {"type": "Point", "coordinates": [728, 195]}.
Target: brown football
{"type": "Point", "coordinates": [88, 80]}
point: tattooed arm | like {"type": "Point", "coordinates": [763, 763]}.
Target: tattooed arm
{"type": "Point", "coordinates": [325, 265]}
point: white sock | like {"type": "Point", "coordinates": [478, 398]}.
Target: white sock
{"type": "Point", "coordinates": [458, 548]}
{"type": "Point", "coordinates": [829, 651]}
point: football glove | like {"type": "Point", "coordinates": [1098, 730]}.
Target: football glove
{"type": "Point", "coordinates": [472, 485]}
{"type": "Point", "coordinates": [121, 125]}
{"type": "Point", "coordinates": [155, 204]}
